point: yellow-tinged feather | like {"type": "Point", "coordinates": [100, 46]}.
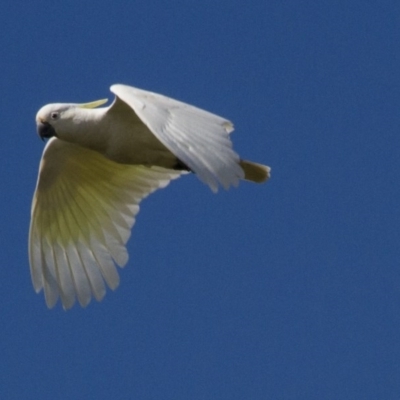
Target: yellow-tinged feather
{"type": "Point", "coordinates": [254, 172]}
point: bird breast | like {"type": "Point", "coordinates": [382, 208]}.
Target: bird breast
{"type": "Point", "coordinates": [129, 141]}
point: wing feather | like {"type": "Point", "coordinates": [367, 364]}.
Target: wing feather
{"type": "Point", "coordinates": [198, 138]}
{"type": "Point", "coordinates": [82, 213]}
{"type": "Point", "coordinates": [62, 275]}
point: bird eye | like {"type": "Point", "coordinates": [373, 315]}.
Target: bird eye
{"type": "Point", "coordinates": [54, 115]}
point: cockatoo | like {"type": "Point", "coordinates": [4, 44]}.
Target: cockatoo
{"type": "Point", "coordinates": [98, 164]}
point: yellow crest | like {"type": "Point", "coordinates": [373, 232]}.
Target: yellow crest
{"type": "Point", "coordinates": [93, 104]}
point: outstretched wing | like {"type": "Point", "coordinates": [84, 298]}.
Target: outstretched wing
{"type": "Point", "coordinates": [198, 138]}
{"type": "Point", "coordinates": [83, 210]}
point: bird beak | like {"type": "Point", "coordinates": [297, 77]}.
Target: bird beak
{"type": "Point", "coordinates": [45, 130]}
{"type": "Point", "coordinates": [93, 104]}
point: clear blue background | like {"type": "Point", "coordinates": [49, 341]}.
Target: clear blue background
{"type": "Point", "coordinates": [290, 290]}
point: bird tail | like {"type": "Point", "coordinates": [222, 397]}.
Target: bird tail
{"type": "Point", "coordinates": [254, 172]}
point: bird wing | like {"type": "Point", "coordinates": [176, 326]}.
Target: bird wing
{"type": "Point", "coordinates": [82, 213]}
{"type": "Point", "coordinates": [198, 138]}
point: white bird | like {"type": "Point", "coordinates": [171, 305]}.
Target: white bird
{"type": "Point", "coordinates": [96, 168]}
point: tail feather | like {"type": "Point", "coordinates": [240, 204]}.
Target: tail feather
{"type": "Point", "coordinates": [254, 172]}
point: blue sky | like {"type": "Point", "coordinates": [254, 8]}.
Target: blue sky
{"type": "Point", "coordinates": [290, 290]}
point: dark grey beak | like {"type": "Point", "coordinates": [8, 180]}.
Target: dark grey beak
{"type": "Point", "coordinates": [45, 130]}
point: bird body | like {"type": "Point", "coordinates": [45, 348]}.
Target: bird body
{"type": "Point", "coordinates": [98, 164]}
{"type": "Point", "coordinates": [116, 133]}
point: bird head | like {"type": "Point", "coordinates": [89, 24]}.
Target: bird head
{"type": "Point", "coordinates": [54, 118]}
